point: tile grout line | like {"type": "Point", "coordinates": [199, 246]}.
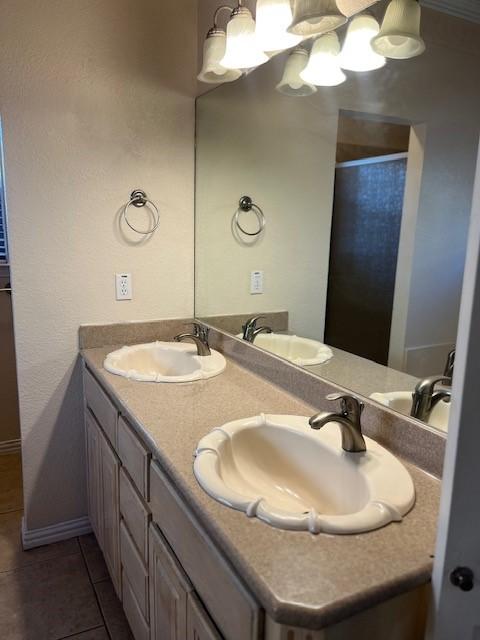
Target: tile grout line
{"type": "Point", "coordinates": [47, 559]}
{"type": "Point", "coordinates": [94, 590]}
{"type": "Point", "coordinates": [80, 633]}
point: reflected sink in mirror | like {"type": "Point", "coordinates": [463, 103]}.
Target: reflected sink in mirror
{"type": "Point", "coordinates": [301, 351]}
{"type": "Point", "coordinates": [401, 401]}
{"type": "Point", "coordinates": [164, 362]}
{"type": "Point", "coordinates": [276, 468]}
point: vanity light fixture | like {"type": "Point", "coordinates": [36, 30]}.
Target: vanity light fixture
{"type": "Point", "coordinates": [399, 36]}
{"type": "Point", "coordinates": [213, 52]}
{"type": "Point", "coordinates": [323, 68]}
{"type": "Point", "coordinates": [291, 83]}
{"type": "Point", "coordinates": [273, 17]}
{"type": "Point", "coordinates": [315, 17]}
{"type": "Point", "coordinates": [357, 53]}
{"type": "Point", "coordinates": [242, 49]}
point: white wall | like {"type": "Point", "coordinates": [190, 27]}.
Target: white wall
{"type": "Point", "coordinates": [96, 99]}
{"type": "Point", "coordinates": [438, 90]}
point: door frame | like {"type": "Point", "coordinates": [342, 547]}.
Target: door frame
{"type": "Point", "coordinates": [455, 613]}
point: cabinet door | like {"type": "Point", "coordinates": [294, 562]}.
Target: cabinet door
{"type": "Point", "coordinates": [199, 625]}
{"type": "Point", "coordinates": [110, 471]}
{"type": "Point", "coordinates": [168, 592]}
{"type": "Point", "coordinates": [95, 502]}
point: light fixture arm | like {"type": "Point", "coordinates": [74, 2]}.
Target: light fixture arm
{"type": "Point", "coordinates": [223, 7]}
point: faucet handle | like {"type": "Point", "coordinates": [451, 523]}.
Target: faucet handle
{"type": "Point", "coordinates": [350, 405]}
{"type": "Point", "coordinates": [199, 330]}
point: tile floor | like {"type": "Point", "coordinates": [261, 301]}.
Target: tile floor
{"type": "Point", "coordinates": [59, 591]}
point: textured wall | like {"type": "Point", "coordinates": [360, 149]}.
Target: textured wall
{"type": "Point", "coordinates": [97, 98]}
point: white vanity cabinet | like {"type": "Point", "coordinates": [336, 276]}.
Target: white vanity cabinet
{"type": "Point", "coordinates": [173, 581]}
{"type": "Point", "coordinates": [103, 501]}
{"type": "Point", "coordinates": [158, 598]}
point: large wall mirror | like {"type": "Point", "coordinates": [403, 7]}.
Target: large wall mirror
{"type": "Point", "coordinates": [361, 194]}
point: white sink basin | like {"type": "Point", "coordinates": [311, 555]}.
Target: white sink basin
{"type": "Point", "coordinates": [164, 362]}
{"type": "Point", "coordinates": [302, 351]}
{"type": "Point", "coordinates": [401, 401]}
{"type": "Point", "coordinates": [276, 468]}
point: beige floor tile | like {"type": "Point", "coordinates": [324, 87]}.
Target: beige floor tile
{"type": "Point", "coordinates": [94, 634]}
{"type": "Point", "coordinates": [12, 555]}
{"type": "Point", "coordinates": [48, 600]}
{"type": "Point", "coordinates": [111, 606]}
{"type": "Point", "coordinates": [11, 492]}
{"type": "Point", "coordinates": [96, 566]}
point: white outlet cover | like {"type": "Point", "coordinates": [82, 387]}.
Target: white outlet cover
{"type": "Point", "coordinates": [123, 286]}
{"type": "Point", "coordinates": [256, 282]}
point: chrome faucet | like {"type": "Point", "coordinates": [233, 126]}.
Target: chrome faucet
{"type": "Point", "coordinates": [349, 420]}
{"type": "Point", "coordinates": [450, 364]}
{"type": "Point", "coordinates": [199, 337]}
{"type": "Point", "coordinates": [251, 331]}
{"type": "Point", "coordinates": [425, 397]}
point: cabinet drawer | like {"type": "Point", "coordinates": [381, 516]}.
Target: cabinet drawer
{"type": "Point", "coordinates": [133, 567]}
{"type": "Point", "coordinates": [135, 514]}
{"type": "Point", "coordinates": [101, 406]}
{"type": "Point", "coordinates": [134, 456]}
{"type": "Point", "coordinates": [199, 625]}
{"type": "Point", "coordinates": [232, 608]}
{"type": "Point", "coordinates": [138, 625]}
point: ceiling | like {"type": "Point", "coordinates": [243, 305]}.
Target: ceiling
{"type": "Point", "coordinates": [466, 9]}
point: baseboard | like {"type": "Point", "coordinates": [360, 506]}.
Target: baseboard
{"type": "Point", "coordinates": [10, 446]}
{"type": "Point", "coordinates": [55, 533]}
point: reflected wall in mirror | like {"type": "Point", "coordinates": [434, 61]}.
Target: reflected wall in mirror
{"type": "Point", "coordinates": [366, 189]}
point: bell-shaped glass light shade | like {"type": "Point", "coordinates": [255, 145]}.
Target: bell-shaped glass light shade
{"type": "Point", "coordinates": [399, 36]}
{"type": "Point", "coordinates": [273, 17]}
{"type": "Point", "coordinates": [291, 83]}
{"type": "Point", "coordinates": [357, 53]}
{"type": "Point", "coordinates": [323, 69]}
{"type": "Point", "coordinates": [314, 17]}
{"type": "Point", "coordinates": [350, 8]}
{"type": "Point", "coordinates": [242, 50]}
{"type": "Point", "coordinates": [213, 51]}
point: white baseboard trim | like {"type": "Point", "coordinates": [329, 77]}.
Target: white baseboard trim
{"type": "Point", "coordinates": [10, 446]}
{"type": "Point", "coordinates": [55, 533]}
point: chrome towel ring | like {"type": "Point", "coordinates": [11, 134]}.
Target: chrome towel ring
{"type": "Point", "coordinates": [138, 198]}
{"type": "Point", "coordinates": [246, 204]}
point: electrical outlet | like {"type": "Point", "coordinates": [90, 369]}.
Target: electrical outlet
{"type": "Point", "coordinates": [256, 282]}
{"type": "Point", "coordinates": [123, 286]}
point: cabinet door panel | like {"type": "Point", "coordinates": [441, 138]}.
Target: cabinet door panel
{"type": "Point", "coordinates": [110, 466]}
{"type": "Point", "coordinates": [199, 625]}
{"type": "Point", "coordinates": [94, 478]}
{"type": "Point", "coordinates": [168, 592]}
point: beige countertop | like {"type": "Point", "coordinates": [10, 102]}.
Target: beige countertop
{"type": "Point", "coordinates": [299, 578]}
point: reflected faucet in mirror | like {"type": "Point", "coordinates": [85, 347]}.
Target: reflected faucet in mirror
{"type": "Point", "coordinates": [450, 364]}
{"type": "Point", "coordinates": [251, 331]}
{"type": "Point", "coordinates": [425, 397]}
{"type": "Point", "coordinates": [348, 419]}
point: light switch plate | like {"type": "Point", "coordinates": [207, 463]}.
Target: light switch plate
{"type": "Point", "coordinates": [123, 286]}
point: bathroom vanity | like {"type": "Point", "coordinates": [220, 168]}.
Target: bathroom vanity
{"type": "Point", "coordinates": [186, 566]}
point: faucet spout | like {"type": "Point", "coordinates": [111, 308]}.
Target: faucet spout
{"type": "Point", "coordinates": [199, 338]}
{"type": "Point", "coordinates": [349, 420]}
